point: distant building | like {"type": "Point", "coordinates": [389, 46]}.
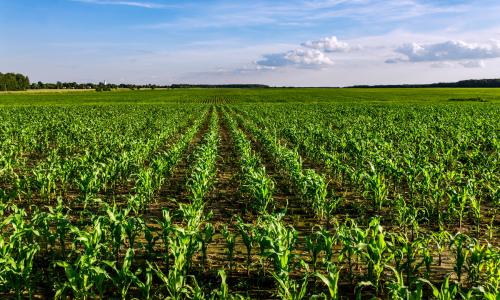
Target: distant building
{"type": "Point", "coordinates": [105, 82]}
{"type": "Point", "coordinates": [64, 87]}
{"type": "Point", "coordinates": [88, 87]}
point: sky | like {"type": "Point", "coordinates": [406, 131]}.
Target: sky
{"type": "Point", "coordinates": [278, 43]}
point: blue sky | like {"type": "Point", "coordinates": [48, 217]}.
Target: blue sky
{"type": "Point", "coordinates": [299, 43]}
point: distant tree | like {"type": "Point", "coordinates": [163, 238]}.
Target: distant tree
{"type": "Point", "coordinates": [14, 82]}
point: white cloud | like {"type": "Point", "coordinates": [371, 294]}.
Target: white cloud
{"type": "Point", "coordinates": [331, 45]}
{"type": "Point", "coordinates": [129, 3]}
{"type": "Point", "coordinates": [442, 64]}
{"type": "Point", "coordinates": [450, 50]}
{"type": "Point", "coordinates": [391, 61]}
{"type": "Point", "coordinates": [300, 58]}
{"type": "Point", "coordinates": [472, 64]}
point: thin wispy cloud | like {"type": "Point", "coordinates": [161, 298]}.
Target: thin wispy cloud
{"type": "Point", "coordinates": [303, 13]}
{"type": "Point", "coordinates": [128, 3]}
{"type": "Point", "coordinates": [441, 65]}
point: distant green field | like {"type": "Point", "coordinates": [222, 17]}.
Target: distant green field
{"type": "Point", "coordinates": [235, 96]}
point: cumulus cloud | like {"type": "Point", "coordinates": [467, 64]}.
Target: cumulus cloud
{"type": "Point", "coordinates": [331, 45]}
{"type": "Point", "coordinates": [301, 58]}
{"type": "Point", "coordinates": [442, 64]}
{"type": "Point", "coordinates": [450, 50]}
{"type": "Point", "coordinates": [472, 64]}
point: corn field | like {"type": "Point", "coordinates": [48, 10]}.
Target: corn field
{"type": "Point", "coordinates": [218, 199]}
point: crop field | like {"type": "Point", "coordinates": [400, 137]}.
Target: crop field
{"type": "Point", "coordinates": [251, 194]}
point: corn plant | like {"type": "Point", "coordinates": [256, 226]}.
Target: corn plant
{"type": "Point", "coordinates": [377, 189]}
{"type": "Point", "coordinates": [406, 254]}
{"type": "Point", "coordinates": [350, 237]}
{"type": "Point", "coordinates": [440, 240]}
{"type": "Point", "coordinates": [328, 241]}
{"type": "Point", "coordinates": [166, 228]}
{"type": "Point", "coordinates": [117, 220]}
{"type": "Point", "coordinates": [314, 246]}
{"type": "Point", "coordinates": [458, 203]}
{"type": "Point", "coordinates": [205, 240]}
{"type": "Point", "coordinates": [459, 245]}
{"type": "Point", "coordinates": [17, 268]}
{"type": "Point", "coordinates": [132, 227]}
{"type": "Point", "coordinates": [493, 271]}
{"type": "Point", "coordinates": [289, 289]}
{"type": "Point", "coordinates": [144, 287]}
{"type": "Point", "coordinates": [82, 276]}
{"type": "Point", "coordinates": [399, 291]}
{"type": "Point", "coordinates": [124, 276]}
{"type": "Point", "coordinates": [476, 210]}
{"type": "Point", "coordinates": [376, 252]}
{"type": "Point", "coordinates": [231, 245]}
{"type": "Point", "coordinates": [175, 282]}
{"type": "Point", "coordinates": [151, 240]}
{"type": "Point", "coordinates": [249, 236]}
{"type": "Point", "coordinates": [476, 261]}
{"type": "Point", "coordinates": [223, 293]}
{"type": "Point", "coordinates": [331, 281]}
{"type": "Point", "coordinates": [446, 292]}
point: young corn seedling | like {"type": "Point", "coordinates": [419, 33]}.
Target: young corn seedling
{"type": "Point", "coordinates": [331, 281]}
{"type": "Point", "coordinates": [231, 245]}
{"type": "Point", "coordinates": [117, 220]}
{"type": "Point", "coordinates": [124, 276]}
{"type": "Point", "coordinates": [377, 253]}
{"type": "Point", "coordinates": [476, 210]}
{"type": "Point", "coordinates": [249, 236]}
{"type": "Point", "coordinates": [445, 292]}
{"type": "Point", "coordinates": [314, 248]}
{"type": "Point", "coordinates": [166, 228]}
{"type": "Point", "coordinates": [82, 276]}
{"type": "Point", "coordinates": [144, 287]}
{"type": "Point", "coordinates": [399, 291]}
{"type": "Point", "coordinates": [459, 246]}
{"type": "Point", "coordinates": [409, 250]}
{"type": "Point", "coordinates": [476, 261]}
{"type": "Point", "coordinates": [223, 293]}
{"type": "Point", "coordinates": [205, 240]}
{"type": "Point", "coordinates": [377, 188]}
{"type": "Point", "coordinates": [175, 282]}
{"type": "Point", "coordinates": [328, 240]}
{"type": "Point", "coordinates": [458, 202]}
{"type": "Point", "coordinates": [288, 288]}
{"type": "Point", "coordinates": [151, 240]}
{"type": "Point", "coordinates": [440, 240]}
{"type": "Point", "coordinates": [350, 236]}
{"type": "Point", "coordinates": [17, 268]}
{"type": "Point", "coordinates": [132, 228]}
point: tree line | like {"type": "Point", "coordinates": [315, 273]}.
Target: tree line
{"type": "Point", "coordinates": [219, 86]}
{"type": "Point", "coordinates": [470, 83]}
{"type": "Point", "coordinates": [70, 85]}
